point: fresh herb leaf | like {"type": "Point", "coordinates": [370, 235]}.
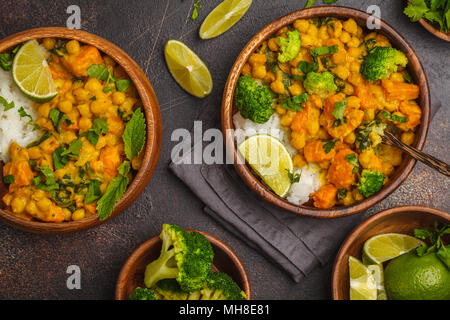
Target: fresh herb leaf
{"type": "Point", "coordinates": [339, 109]}
{"type": "Point", "coordinates": [435, 16]}
{"type": "Point", "coordinates": [324, 50]}
{"type": "Point", "coordinates": [93, 193]}
{"type": "Point", "coordinates": [435, 240]}
{"type": "Point", "coordinates": [197, 5]}
{"type": "Point", "coordinates": [45, 180]}
{"type": "Point", "coordinates": [73, 150]}
{"type": "Point", "coordinates": [7, 106]}
{"type": "Point", "coordinates": [98, 71]}
{"type": "Point", "coordinates": [394, 117]}
{"type": "Point", "coordinates": [134, 135]}
{"type": "Point", "coordinates": [407, 78]}
{"type": "Point", "coordinates": [294, 178]}
{"type": "Point", "coordinates": [54, 117]}
{"type": "Point", "coordinates": [341, 194]}
{"type": "Point", "coordinates": [123, 84]}
{"type": "Point", "coordinates": [294, 103]}
{"type": "Point", "coordinates": [44, 137]}
{"type": "Point", "coordinates": [107, 89]}
{"type": "Point", "coordinates": [353, 159]}
{"type": "Point", "coordinates": [59, 161]}
{"type": "Point", "coordinates": [307, 67]}
{"type": "Point", "coordinates": [369, 44]}
{"type": "Point", "coordinates": [416, 10]}
{"type": "Point", "coordinates": [329, 145]}
{"type": "Point", "coordinates": [5, 59]}
{"type": "Point", "coordinates": [114, 192]}
{"type": "Point", "coordinates": [8, 179]}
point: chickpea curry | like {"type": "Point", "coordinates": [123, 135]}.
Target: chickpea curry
{"type": "Point", "coordinates": [336, 89]}
{"type": "Point", "coordinates": [83, 162]}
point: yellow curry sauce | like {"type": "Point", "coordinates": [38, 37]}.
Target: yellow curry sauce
{"type": "Point", "coordinates": [313, 126]}
{"type": "Point", "coordinates": [86, 164]}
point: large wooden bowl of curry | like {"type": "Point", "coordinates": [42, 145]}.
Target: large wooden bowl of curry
{"type": "Point", "coordinates": [153, 131]}
{"type": "Point", "coordinates": [415, 69]}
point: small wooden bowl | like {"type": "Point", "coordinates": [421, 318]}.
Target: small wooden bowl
{"type": "Point", "coordinates": [132, 274]}
{"type": "Point", "coordinates": [434, 30]}
{"type": "Point", "coordinates": [395, 220]}
{"type": "Point", "coordinates": [415, 69]}
{"type": "Point", "coordinates": [151, 110]}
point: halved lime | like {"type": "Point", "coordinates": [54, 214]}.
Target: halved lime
{"type": "Point", "coordinates": [223, 17]}
{"type": "Point", "coordinates": [188, 69]}
{"type": "Point", "coordinates": [31, 73]}
{"type": "Point", "coordinates": [271, 161]}
{"type": "Point", "coordinates": [384, 247]}
{"type": "Point", "coordinates": [362, 282]}
{"type": "Point", "coordinates": [378, 275]}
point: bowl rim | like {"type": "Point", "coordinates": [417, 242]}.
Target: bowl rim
{"type": "Point", "coordinates": [152, 114]}
{"type": "Point", "coordinates": [357, 231]}
{"type": "Point", "coordinates": [227, 112]}
{"type": "Point", "coordinates": [143, 247]}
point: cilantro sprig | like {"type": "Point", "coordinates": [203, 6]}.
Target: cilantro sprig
{"type": "Point", "coordinates": [294, 103]}
{"type": "Point", "coordinates": [435, 11]}
{"type": "Point", "coordinates": [7, 105]}
{"type": "Point", "coordinates": [338, 112]}
{"type": "Point", "coordinates": [293, 178]}
{"type": "Point", "coordinates": [329, 145]}
{"type": "Point", "coordinates": [393, 117]}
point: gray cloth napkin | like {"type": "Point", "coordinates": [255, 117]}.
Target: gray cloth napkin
{"type": "Point", "coordinates": [297, 244]}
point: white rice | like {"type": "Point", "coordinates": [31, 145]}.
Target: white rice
{"type": "Point", "coordinates": [310, 180]}
{"type": "Point", "coordinates": [12, 128]}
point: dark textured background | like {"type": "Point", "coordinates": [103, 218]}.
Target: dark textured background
{"type": "Point", "coordinates": [34, 266]}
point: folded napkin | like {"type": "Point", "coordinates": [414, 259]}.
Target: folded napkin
{"type": "Point", "coordinates": [297, 244]}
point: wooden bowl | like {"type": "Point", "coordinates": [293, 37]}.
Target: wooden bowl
{"type": "Point", "coordinates": [434, 29]}
{"type": "Point", "coordinates": [151, 110]}
{"type": "Point", "coordinates": [396, 220]}
{"type": "Point", "coordinates": [132, 274]}
{"type": "Point", "coordinates": [415, 69]}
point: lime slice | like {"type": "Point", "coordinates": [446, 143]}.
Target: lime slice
{"type": "Point", "coordinates": [188, 69]}
{"type": "Point", "coordinates": [378, 275]}
{"type": "Point", "coordinates": [31, 73]}
{"type": "Point", "coordinates": [223, 17]}
{"type": "Point", "coordinates": [383, 247]}
{"type": "Point", "coordinates": [362, 282]}
{"type": "Point", "coordinates": [271, 161]}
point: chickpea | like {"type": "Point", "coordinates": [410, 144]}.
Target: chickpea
{"type": "Point", "coordinates": [299, 160]}
{"type": "Point", "coordinates": [322, 134]}
{"type": "Point", "coordinates": [342, 72]}
{"type": "Point", "coordinates": [348, 89]}
{"type": "Point", "coordinates": [49, 43]}
{"type": "Point", "coordinates": [323, 33]}
{"type": "Point", "coordinates": [31, 208]}
{"type": "Point", "coordinates": [387, 168]}
{"type": "Point", "coordinates": [100, 143]}
{"type": "Point", "coordinates": [18, 204]}
{"type": "Point", "coordinates": [84, 110]}
{"type": "Point", "coordinates": [353, 102]}
{"type": "Point", "coordinates": [350, 26]}
{"type": "Point", "coordinates": [286, 120]}
{"type": "Point", "coordinates": [345, 37]}
{"type": "Point", "coordinates": [356, 195]}
{"type": "Point", "coordinates": [67, 214]}
{"type": "Point", "coordinates": [81, 95]}
{"type": "Point", "coordinates": [355, 78]}
{"type": "Point", "coordinates": [100, 106]}
{"type": "Point", "coordinates": [73, 47]}
{"type": "Point", "coordinates": [44, 204]}
{"type": "Point", "coordinates": [355, 66]}
{"type": "Point", "coordinates": [111, 140]}
{"type": "Point", "coordinates": [354, 52]}
{"type": "Point", "coordinates": [335, 30]}
{"type": "Point", "coordinates": [128, 104]}
{"type": "Point", "coordinates": [369, 114]}
{"type": "Point", "coordinates": [301, 25]}
{"type": "Point", "coordinates": [354, 42]}
{"type": "Point", "coordinates": [280, 110]}
{"type": "Point", "coordinates": [34, 152]}
{"type": "Point", "coordinates": [339, 57]}
{"type": "Point", "coordinates": [44, 110]}
{"type": "Point", "coordinates": [85, 123]}
{"type": "Point", "coordinates": [118, 97]}
{"type": "Point", "coordinates": [93, 85]}
{"type": "Point", "coordinates": [78, 214]}
{"type": "Point", "coordinates": [272, 44]}
{"type": "Point", "coordinates": [350, 138]}
{"type": "Point", "coordinates": [408, 138]}
{"type": "Point", "coordinates": [296, 89]}
{"type": "Point", "coordinates": [397, 76]}
{"type": "Point", "coordinates": [65, 106]}
{"type": "Point", "coordinates": [307, 40]}
{"type": "Point", "coordinates": [313, 31]}
{"type": "Point", "coordinates": [259, 71]}
{"type": "Point", "coordinates": [298, 140]}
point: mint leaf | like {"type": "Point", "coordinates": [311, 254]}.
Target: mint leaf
{"type": "Point", "coordinates": [93, 193]}
{"type": "Point", "coordinates": [73, 149]}
{"type": "Point", "coordinates": [123, 84]}
{"type": "Point", "coordinates": [134, 135]}
{"type": "Point", "coordinates": [58, 160]}
{"type": "Point", "coordinates": [295, 103]}
{"type": "Point", "coordinates": [8, 179]}
{"type": "Point", "coordinates": [394, 117]}
{"type": "Point", "coordinates": [329, 145]}
{"type": "Point", "coordinates": [339, 109]}
{"type": "Point", "coordinates": [294, 178]}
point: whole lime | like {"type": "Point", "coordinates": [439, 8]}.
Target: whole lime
{"type": "Point", "coordinates": [410, 277]}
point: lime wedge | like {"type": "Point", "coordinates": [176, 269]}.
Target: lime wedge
{"type": "Point", "coordinates": [362, 282]}
{"type": "Point", "coordinates": [188, 69]}
{"type": "Point", "coordinates": [31, 73]}
{"type": "Point", "coordinates": [223, 17]}
{"type": "Point", "coordinates": [378, 275]}
{"type": "Point", "coordinates": [384, 247]}
{"type": "Point", "coordinates": [271, 161]}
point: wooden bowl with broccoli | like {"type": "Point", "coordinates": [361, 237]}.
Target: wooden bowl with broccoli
{"type": "Point", "coordinates": [204, 268]}
{"type": "Point", "coordinates": [319, 88]}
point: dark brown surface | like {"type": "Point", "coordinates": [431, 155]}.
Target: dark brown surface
{"type": "Point", "coordinates": [152, 146]}
{"type": "Point", "coordinates": [132, 274]}
{"type": "Point", "coordinates": [34, 266]}
{"type": "Point", "coordinates": [415, 68]}
{"type": "Point", "coordinates": [397, 220]}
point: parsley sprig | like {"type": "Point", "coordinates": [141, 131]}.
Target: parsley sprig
{"type": "Point", "coordinates": [435, 238]}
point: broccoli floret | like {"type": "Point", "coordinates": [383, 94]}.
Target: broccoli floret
{"type": "Point", "coordinates": [143, 294]}
{"type": "Point", "coordinates": [252, 100]}
{"type": "Point", "coordinates": [381, 62]}
{"type": "Point", "coordinates": [219, 286]}
{"type": "Point", "coordinates": [185, 256]}
{"type": "Point", "coordinates": [169, 289]}
{"type": "Point", "coordinates": [319, 83]}
{"type": "Point", "coordinates": [289, 47]}
{"type": "Point", "coordinates": [370, 182]}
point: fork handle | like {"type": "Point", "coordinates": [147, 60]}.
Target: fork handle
{"type": "Point", "coordinates": [423, 157]}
